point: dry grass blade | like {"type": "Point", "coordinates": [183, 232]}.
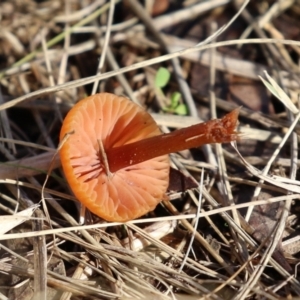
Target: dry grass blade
{"type": "Point", "coordinates": [10, 222]}
{"type": "Point", "coordinates": [40, 259]}
{"type": "Point", "coordinates": [91, 79]}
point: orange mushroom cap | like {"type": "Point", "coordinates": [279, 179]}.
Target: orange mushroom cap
{"type": "Point", "coordinates": [115, 121]}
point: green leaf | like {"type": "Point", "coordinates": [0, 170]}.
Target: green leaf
{"type": "Point", "coordinates": [167, 109]}
{"type": "Point", "coordinates": [175, 98]}
{"type": "Point", "coordinates": [181, 109]}
{"type": "Point", "coordinates": [162, 77]}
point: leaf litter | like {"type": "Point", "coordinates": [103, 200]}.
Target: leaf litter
{"type": "Point", "coordinates": [49, 58]}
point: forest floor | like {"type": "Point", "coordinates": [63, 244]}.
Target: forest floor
{"type": "Point", "coordinates": [232, 235]}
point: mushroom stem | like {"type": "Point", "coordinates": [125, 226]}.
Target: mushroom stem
{"type": "Point", "coordinates": [213, 131]}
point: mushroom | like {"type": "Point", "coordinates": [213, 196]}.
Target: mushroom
{"type": "Point", "coordinates": [116, 160]}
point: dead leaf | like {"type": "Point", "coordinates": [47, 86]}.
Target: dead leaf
{"type": "Point", "coordinates": [249, 93]}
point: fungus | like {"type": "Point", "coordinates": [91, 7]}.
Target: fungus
{"type": "Point", "coordinates": [116, 159]}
